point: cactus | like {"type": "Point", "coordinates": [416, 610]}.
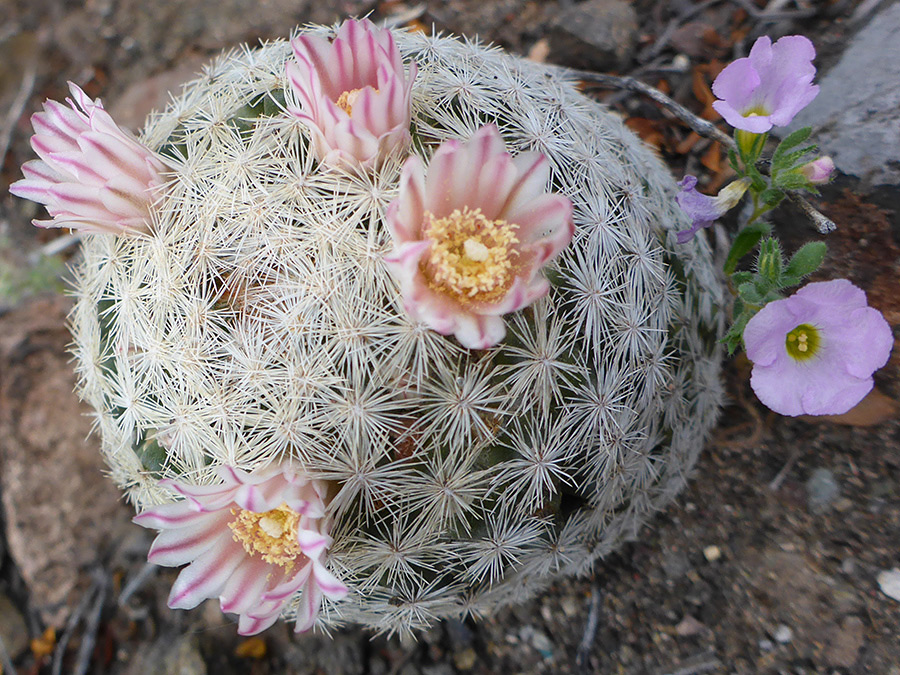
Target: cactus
{"type": "Point", "coordinates": [257, 322]}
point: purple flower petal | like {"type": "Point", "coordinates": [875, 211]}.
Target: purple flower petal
{"type": "Point", "coordinates": [851, 342]}
{"type": "Point", "coordinates": [769, 87]}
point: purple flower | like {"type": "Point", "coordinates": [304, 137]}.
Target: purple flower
{"type": "Point", "coordinates": [818, 171]}
{"type": "Point", "coordinates": [768, 87]}
{"type": "Point", "coordinates": [92, 175]}
{"type": "Point", "coordinates": [703, 209]}
{"type": "Point", "coordinates": [814, 353]}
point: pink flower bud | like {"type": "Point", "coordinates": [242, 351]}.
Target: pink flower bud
{"type": "Point", "coordinates": [92, 176]}
{"type": "Point", "coordinates": [471, 238]}
{"type": "Point", "coordinates": [352, 94]}
{"type": "Point", "coordinates": [819, 171]}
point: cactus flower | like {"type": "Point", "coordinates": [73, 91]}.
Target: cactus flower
{"type": "Point", "coordinates": [253, 542]}
{"type": "Point", "coordinates": [705, 210]}
{"type": "Point", "coordinates": [353, 94]}
{"type": "Point", "coordinates": [814, 353]}
{"type": "Point", "coordinates": [471, 238]}
{"type": "Point", "coordinates": [768, 87]}
{"type": "Point", "coordinates": [92, 175]}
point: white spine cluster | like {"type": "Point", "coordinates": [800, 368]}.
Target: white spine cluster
{"type": "Point", "coordinates": [258, 322]}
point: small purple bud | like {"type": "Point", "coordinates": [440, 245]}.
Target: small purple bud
{"type": "Point", "coordinates": [819, 171]}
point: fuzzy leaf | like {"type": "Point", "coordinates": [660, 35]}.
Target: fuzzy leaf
{"type": "Point", "coordinates": [750, 293]}
{"type": "Point", "coordinates": [791, 180]}
{"type": "Point", "coordinates": [806, 260]}
{"type": "Point", "coordinates": [771, 197]}
{"type": "Point", "coordinates": [739, 278]}
{"type": "Point", "coordinates": [789, 160]}
{"type": "Point", "coordinates": [792, 140]}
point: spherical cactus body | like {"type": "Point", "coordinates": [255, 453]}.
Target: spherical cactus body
{"type": "Point", "coordinates": [257, 324]}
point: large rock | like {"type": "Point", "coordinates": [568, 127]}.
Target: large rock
{"type": "Point", "coordinates": [597, 35]}
{"type": "Point", "coordinates": [61, 513]}
{"type": "Point", "coordinates": [857, 112]}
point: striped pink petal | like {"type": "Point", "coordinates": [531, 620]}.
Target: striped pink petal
{"type": "Point", "coordinates": [207, 530]}
{"type": "Point", "coordinates": [92, 175]}
{"type": "Point", "coordinates": [490, 212]}
{"type": "Point", "coordinates": [353, 94]}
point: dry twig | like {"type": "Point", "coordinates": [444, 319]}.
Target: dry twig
{"type": "Point", "coordinates": [590, 630]}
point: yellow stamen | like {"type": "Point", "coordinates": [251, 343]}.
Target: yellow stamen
{"type": "Point", "coordinates": [272, 535]}
{"type": "Point", "coordinates": [802, 342]}
{"type": "Point", "coordinates": [348, 99]}
{"type": "Point", "coordinates": [471, 257]}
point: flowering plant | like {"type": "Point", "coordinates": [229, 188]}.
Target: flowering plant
{"type": "Point", "coordinates": [814, 352]}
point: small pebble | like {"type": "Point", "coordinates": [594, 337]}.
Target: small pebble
{"type": "Point", "coordinates": [766, 645]}
{"type": "Point", "coordinates": [783, 634]}
{"type": "Point", "coordinates": [848, 566]}
{"type": "Point", "coordinates": [689, 626]}
{"type": "Point", "coordinates": [821, 490]}
{"type": "Point", "coordinates": [712, 553]}
{"type": "Point", "coordinates": [465, 660]}
{"type": "Point", "coordinates": [889, 582]}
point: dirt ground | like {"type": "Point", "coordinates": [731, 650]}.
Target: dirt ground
{"type": "Point", "coordinates": [768, 563]}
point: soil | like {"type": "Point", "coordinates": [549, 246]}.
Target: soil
{"type": "Point", "coordinates": [768, 563]}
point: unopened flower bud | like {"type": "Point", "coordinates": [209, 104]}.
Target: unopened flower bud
{"type": "Point", "coordinates": [819, 171]}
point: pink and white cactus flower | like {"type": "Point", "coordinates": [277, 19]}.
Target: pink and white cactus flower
{"type": "Point", "coordinates": [92, 175]}
{"type": "Point", "coordinates": [470, 239]}
{"type": "Point", "coordinates": [253, 542]}
{"type": "Point", "coordinates": [353, 93]}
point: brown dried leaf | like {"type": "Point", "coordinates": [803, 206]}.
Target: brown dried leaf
{"type": "Point", "coordinates": [44, 645]}
{"type": "Point", "coordinates": [251, 648]}
{"type": "Point", "coordinates": [539, 51]}
{"type": "Point", "coordinates": [875, 408]}
{"type": "Point", "coordinates": [648, 130]}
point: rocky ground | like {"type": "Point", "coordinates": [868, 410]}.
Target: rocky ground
{"type": "Point", "coordinates": [782, 556]}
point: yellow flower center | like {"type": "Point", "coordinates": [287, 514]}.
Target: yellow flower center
{"type": "Point", "coordinates": [347, 100]}
{"type": "Point", "coordinates": [803, 342]}
{"type": "Point", "coordinates": [471, 257]}
{"type": "Point", "coordinates": [271, 535]}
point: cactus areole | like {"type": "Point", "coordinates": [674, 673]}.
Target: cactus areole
{"type": "Point", "coordinates": [462, 328]}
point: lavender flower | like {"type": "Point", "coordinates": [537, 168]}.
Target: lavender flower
{"type": "Point", "coordinates": [814, 353]}
{"type": "Point", "coordinates": [92, 175]}
{"type": "Point", "coordinates": [768, 87]}
{"type": "Point", "coordinates": [703, 209]}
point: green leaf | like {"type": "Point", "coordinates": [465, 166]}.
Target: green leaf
{"type": "Point", "coordinates": [805, 261]}
{"type": "Point", "coordinates": [750, 293]}
{"type": "Point", "coordinates": [789, 160]}
{"type": "Point", "coordinates": [745, 242]}
{"type": "Point", "coordinates": [791, 180]}
{"type": "Point", "coordinates": [792, 140]}
{"type": "Point", "coordinates": [771, 197]}
{"type": "Point", "coordinates": [733, 162]}
{"type": "Point", "coordinates": [734, 338]}
{"type": "Point", "coordinates": [739, 278]}
{"type": "Point", "coordinates": [759, 182]}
